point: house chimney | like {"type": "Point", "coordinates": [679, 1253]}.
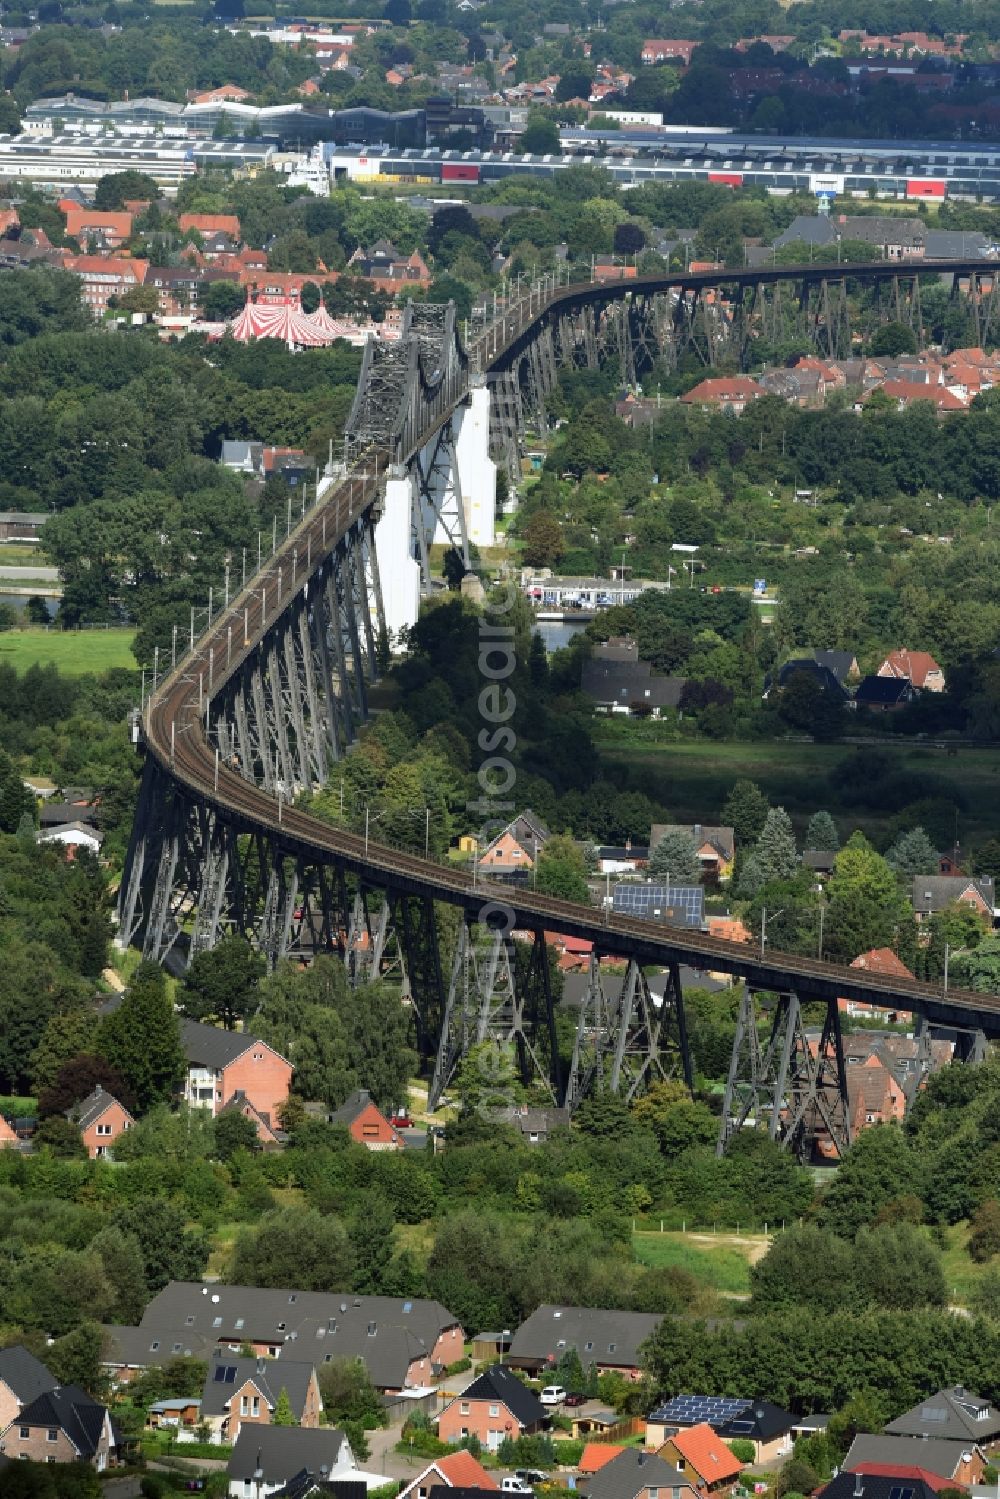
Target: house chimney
{"type": "Point", "coordinates": [363, 1095]}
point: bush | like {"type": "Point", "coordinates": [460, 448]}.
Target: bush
{"type": "Point", "coordinates": [568, 1454]}
{"type": "Point", "coordinates": [743, 1450]}
{"type": "Point", "coordinates": [152, 1486]}
{"type": "Point", "coordinates": [458, 1367]}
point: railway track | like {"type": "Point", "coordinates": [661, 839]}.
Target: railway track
{"type": "Point", "coordinates": [175, 732]}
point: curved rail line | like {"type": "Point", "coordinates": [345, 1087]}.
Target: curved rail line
{"type": "Point", "coordinates": [175, 733]}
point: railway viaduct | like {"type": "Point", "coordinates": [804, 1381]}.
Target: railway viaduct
{"type": "Point", "coordinates": [271, 695]}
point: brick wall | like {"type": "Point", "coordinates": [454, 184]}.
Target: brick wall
{"type": "Point", "coordinates": [262, 1075]}
{"type": "Point", "coordinates": [99, 1136]}
{"type": "Point", "coordinates": [490, 1421]}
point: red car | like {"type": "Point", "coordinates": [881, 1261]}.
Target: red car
{"type": "Point", "coordinates": [400, 1118]}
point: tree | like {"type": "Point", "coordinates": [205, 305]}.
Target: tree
{"type": "Point", "coordinates": [116, 188]}
{"type": "Point", "coordinates": [170, 1251]}
{"type": "Point", "coordinates": [540, 137]}
{"type": "Point", "coordinates": [745, 811]}
{"type": "Point", "coordinates": [219, 301]}
{"type": "Point", "coordinates": [69, 1034]}
{"type": "Point", "coordinates": [979, 969]}
{"type": "Point", "coordinates": [453, 569]}
{"type": "Point", "coordinates": [630, 238]}
{"type": "Point", "coordinates": [142, 1041]}
{"type": "Point", "coordinates": [893, 339]}
{"type": "Point", "coordinates": [984, 1235]}
{"type": "Point", "coordinates": [543, 543]}
{"type": "Point", "coordinates": [912, 853]}
{"type": "Point", "coordinates": [77, 1079]}
{"type": "Point", "coordinates": [865, 909]}
{"type": "Point", "coordinates": [283, 1413]}
{"type": "Point", "coordinates": [774, 853]}
{"type": "Point", "coordinates": [60, 1136]}
{"type": "Point", "coordinates": [124, 1265]}
{"type": "Point", "coordinates": [140, 299]}
{"type": "Point", "coordinates": [822, 833]}
{"type": "Point", "coordinates": [676, 856]}
{"type": "Point", "coordinates": [561, 870]}
{"type": "Point", "coordinates": [221, 983]}
{"type": "Point", "coordinates": [294, 1247]}
{"type": "Point", "coordinates": [36, 611]}
{"type": "Point", "coordinates": [807, 1266]}
{"type": "Point", "coordinates": [233, 1132]}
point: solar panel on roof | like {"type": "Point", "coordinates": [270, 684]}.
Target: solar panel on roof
{"type": "Point", "coordinates": [681, 905]}
{"type": "Point", "coordinates": [693, 1409]}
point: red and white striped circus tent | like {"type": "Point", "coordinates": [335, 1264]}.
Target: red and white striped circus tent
{"type": "Point", "coordinates": [287, 322]}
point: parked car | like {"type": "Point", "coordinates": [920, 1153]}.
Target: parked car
{"type": "Point", "coordinates": [575, 1400]}
{"type": "Point", "coordinates": [553, 1394]}
{"type": "Point", "coordinates": [530, 1475]}
{"type": "Point", "coordinates": [400, 1117]}
{"type": "Point", "coordinates": [515, 1485]}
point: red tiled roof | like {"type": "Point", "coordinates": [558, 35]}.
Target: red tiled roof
{"type": "Point", "coordinates": [912, 666]}
{"type": "Point", "coordinates": [909, 390]}
{"type": "Point", "coordinates": [707, 1453]}
{"type": "Point", "coordinates": [733, 387]}
{"type": "Point", "coordinates": [460, 1470]}
{"type": "Point", "coordinates": [210, 223]}
{"type": "Point", "coordinates": [596, 1454]}
{"type": "Point", "coordinates": [882, 960]}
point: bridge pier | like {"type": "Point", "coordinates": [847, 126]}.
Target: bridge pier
{"type": "Point", "coordinates": [622, 1045]}
{"type": "Point", "coordinates": [798, 1097]}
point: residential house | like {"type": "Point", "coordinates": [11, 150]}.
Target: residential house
{"type": "Point", "coordinates": [388, 270]}
{"type": "Point", "coordinates": [906, 392]}
{"type": "Point", "coordinates": [96, 231]}
{"type": "Point", "coordinates": [179, 287]}
{"type": "Point", "coordinates": [224, 1063]}
{"type": "Point", "coordinates": [878, 1486]}
{"type": "Point", "coordinates": [955, 1415]}
{"type": "Point", "coordinates": [43, 787]}
{"type": "Point", "coordinates": [636, 1474]}
{"type": "Point", "coordinates": [211, 223]}
{"type": "Point", "coordinates": [269, 1133]}
{"type": "Point", "coordinates": [703, 1458]}
{"type": "Point", "coordinates": [62, 1425]}
{"type": "Point", "coordinates": [8, 1141]}
{"type": "Point", "coordinates": [228, 93]}
{"type": "Point", "coordinates": [538, 1124]}
{"type": "Point", "coordinates": [658, 50]}
{"type": "Point", "coordinates": [597, 1455]}
{"type": "Point", "coordinates": [71, 836]}
{"type": "Point", "coordinates": [763, 1423]}
{"type": "Point", "coordinates": [932, 893]}
{"type": "Point", "coordinates": [916, 667]}
{"type": "Point", "coordinates": [716, 845]}
{"type": "Point", "coordinates": [609, 1340]}
{"type": "Point", "coordinates": [819, 671]}
{"type": "Point", "coordinates": [681, 1411]}
{"type": "Point", "coordinates": [883, 694]}
{"type": "Point", "coordinates": [23, 1378]}
{"type": "Point", "coordinates": [240, 1391]}
{"type": "Point", "coordinates": [456, 1470]}
{"type": "Point", "coordinates": [877, 960]}
{"type": "Point", "coordinates": [402, 1342]}
{"type": "Point", "coordinates": [624, 858]}
{"type": "Point", "coordinates": [365, 1123]}
{"type": "Point", "coordinates": [516, 847]}
{"type": "Point", "coordinates": [495, 1406]}
{"type": "Point", "coordinates": [896, 238]}
{"type": "Point", "coordinates": [874, 1095]}
{"type": "Point", "coordinates": [105, 278]}
{"type": "Point", "coordinates": [265, 1458]}
{"type": "Point", "coordinates": [843, 665]}
{"type": "Point", "coordinates": [960, 1462]}
{"type": "Point", "coordinates": [730, 393]}
{"type": "Point", "coordinates": [130, 1351]}
{"type": "Point", "coordinates": [630, 687]}
{"type": "Point", "coordinates": [101, 1120]}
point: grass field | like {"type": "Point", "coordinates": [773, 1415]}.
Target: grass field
{"type": "Point", "coordinates": [960, 1272]}
{"type": "Point", "coordinates": [14, 555]}
{"type": "Point", "coordinates": [73, 651]}
{"type": "Point", "coordinates": [719, 1261]}
{"type": "Point", "coordinates": [693, 777]}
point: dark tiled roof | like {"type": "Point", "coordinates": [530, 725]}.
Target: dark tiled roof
{"type": "Point", "coordinates": [226, 1374]}
{"type": "Point", "coordinates": [599, 1336]}
{"type": "Point", "coordinates": [847, 1485]}
{"type": "Point", "coordinates": [954, 1414]}
{"type": "Point", "coordinates": [933, 892]}
{"type": "Point", "coordinates": [149, 1346]}
{"type": "Point", "coordinates": [207, 1046]}
{"type": "Point", "coordinates": [940, 1457]}
{"type": "Point", "coordinates": [889, 690]}
{"type": "Point", "coordinates": [349, 1111]}
{"type": "Point", "coordinates": [283, 1451]}
{"type": "Point", "coordinates": [762, 1421]}
{"type": "Point", "coordinates": [23, 1373]}
{"type": "Point", "coordinates": [634, 1470]}
{"type": "Point", "coordinates": [72, 1409]}
{"type": "Point", "coordinates": [86, 1113]}
{"type": "Point", "coordinates": [305, 1484]}
{"type": "Point", "coordinates": [500, 1384]}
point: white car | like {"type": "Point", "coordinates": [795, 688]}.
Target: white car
{"type": "Point", "coordinates": [553, 1394]}
{"type": "Point", "coordinates": [515, 1486]}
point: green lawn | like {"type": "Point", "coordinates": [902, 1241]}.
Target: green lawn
{"type": "Point", "coordinates": [73, 651]}
{"type": "Point", "coordinates": [693, 777]}
{"type": "Point", "coordinates": [720, 1262]}
{"type": "Point", "coordinates": [961, 1273]}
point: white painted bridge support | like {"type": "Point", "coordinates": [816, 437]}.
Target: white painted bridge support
{"type": "Point", "coordinates": [398, 568]}
{"type": "Point", "coordinates": [477, 471]}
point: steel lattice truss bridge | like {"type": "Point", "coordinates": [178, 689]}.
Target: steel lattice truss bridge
{"type": "Point", "coordinates": [270, 697]}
